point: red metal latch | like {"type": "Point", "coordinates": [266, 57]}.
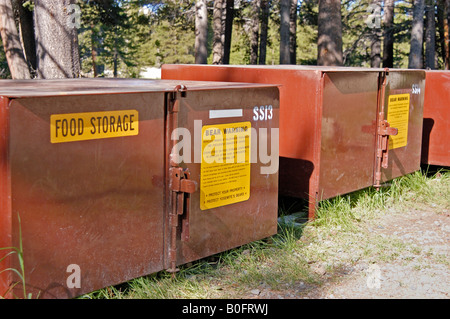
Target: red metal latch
{"type": "Point", "coordinates": [181, 187]}
{"type": "Point", "coordinates": [384, 131]}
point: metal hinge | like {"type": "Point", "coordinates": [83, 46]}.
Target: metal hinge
{"type": "Point", "coordinates": [384, 130]}
{"type": "Point", "coordinates": [180, 187]}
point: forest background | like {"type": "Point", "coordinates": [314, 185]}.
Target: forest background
{"type": "Point", "coordinates": [123, 38]}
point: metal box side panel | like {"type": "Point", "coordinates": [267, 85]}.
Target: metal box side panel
{"type": "Point", "coordinates": [436, 119]}
{"type": "Point", "coordinates": [405, 160]}
{"type": "Point", "coordinates": [5, 200]}
{"type": "Point", "coordinates": [97, 204]}
{"type": "Point", "coordinates": [348, 132]}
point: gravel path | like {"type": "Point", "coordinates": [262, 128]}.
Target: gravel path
{"type": "Point", "coordinates": [420, 271]}
{"type": "Point", "coordinates": [424, 275]}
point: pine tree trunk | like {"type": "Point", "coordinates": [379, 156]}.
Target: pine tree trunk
{"type": "Point", "coordinates": [388, 32]}
{"type": "Point", "coordinates": [11, 42]}
{"type": "Point", "coordinates": [201, 32]}
{"type": "Point", "coordinates": [217, 32]}
{"type": "Point", "coordinates": [254, 32]}
{"type": "Point", "coordinates": [375, 46]}
{"type": "Point", "coordinates": [430, 36]}
{"type": "Point", "coordinates": [229, 16]}
{"type": "Point", "coordinates": [265, 7]}
{"type": "Point", "coordinates": [375, 50]}
{"type": "Point", "coordinates": [415, 52]}
{"type": "Point", "coordinates": [56, 40]}
{"type": "Point", "coordinates": [26, 33]}
{"type": "Point", "coordinates": [329, 33]}
{"type": "Point", "coordinates": [440, 28]}
{"type": "Point", "coordinates": [285, 6]}
{"type": "Point", "coordinates": [293, 32]}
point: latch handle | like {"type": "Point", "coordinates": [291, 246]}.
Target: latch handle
{"type": "Point", "coordinates": [181, 187]}
{"type": "Point", "coordinates": [385, 131]}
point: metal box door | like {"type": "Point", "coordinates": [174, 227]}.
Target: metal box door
{"type": "Point", "coordinates": [403, 109]}
{"type": "Point", "coordinates": [95, 205]}
{"type": "Point", "coordinates": [234, 203]}
{"type": "Point", "coordinates": [347, 133]}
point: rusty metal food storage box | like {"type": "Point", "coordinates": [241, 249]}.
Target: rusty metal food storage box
{"type": "Point", "coordinates": [436, 119]}
{"type": "Point", "coordinates": [108, 184]}
{"type": "Point", "coordinates": [334, 123]}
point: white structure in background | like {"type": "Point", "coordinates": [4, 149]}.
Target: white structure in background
{"type": "Point", "coordinates": [151, 73]}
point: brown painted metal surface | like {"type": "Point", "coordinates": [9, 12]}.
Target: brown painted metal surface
{"type": "Point", "coordinates": [436, 119]}
{"type": "Point", "coordinates": [406, 159]}
{"type": "Point", "coordinates": [103, 204]}
{"type": "Point", "coordinates": [328, 123]}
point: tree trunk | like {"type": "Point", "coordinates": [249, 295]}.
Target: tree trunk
{"type": "Point", "coordinates": [217, 32]}
{"type": "Point", "coordinates": [285, 6]}
{"type": "Point", "coordinates": [329, 33]}
{"type": "Point", "coordinates": [26, 33]}
{"type": "Point", "coordinates": [430, 36]}
{"type": "Point", "coordinates": [229, 16]}
{"type": "Point", "coordinates": [116, 53]}
{"type": "Point", "coordinates": [388, 32]}
{"type": "Point", "coordinates": [254, 32]}
{"type": "Point", "coordinates": [293, 32]}
{"type": "Point", "coordinates": [201, 32]}
{"type": "Point", "coordinates": [265, 7]}
{"type": "Point", "coordinates": [56, 40]}
{"type": "Point", "coordinates": [375, 49]}
{"type": "Point", "coordinates": [375, 46]}
{"type": "Point", "coordinates": [11, 42]}
{"type": "Point", "coordinates": [440, 27]}
{"type": "Point", "coordinates": [415, 52]}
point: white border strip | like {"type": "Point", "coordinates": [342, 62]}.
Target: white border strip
{"type": "Point", "coordinates": [220, 114]}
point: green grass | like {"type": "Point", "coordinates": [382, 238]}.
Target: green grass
{"type": "Point", "coordinates": [340, 236]}
{"type": "Point", "coordinates": [16, 251]}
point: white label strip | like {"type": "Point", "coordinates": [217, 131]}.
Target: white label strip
{"type": "Point", "coordinates": [220, 114]}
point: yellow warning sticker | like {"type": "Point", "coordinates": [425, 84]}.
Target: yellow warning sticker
{"type": "Point", "coordinates": [398, 117]}
{"type": "Point", "coordinates": [93, 125]}
{"type": "Point", "coordinates": [225, 168]}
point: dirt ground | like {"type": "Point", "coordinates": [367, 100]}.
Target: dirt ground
{"type": "Point", "coordinates": [424, 274]}
{"type": "Point", "coordinates": [410, 276]}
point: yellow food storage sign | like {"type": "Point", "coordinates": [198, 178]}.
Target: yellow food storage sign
{"type": "Point", "coordinates": [93, 125]}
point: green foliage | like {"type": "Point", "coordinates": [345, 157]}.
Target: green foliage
{"type": "Point", "coordinates": [122, 37]}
